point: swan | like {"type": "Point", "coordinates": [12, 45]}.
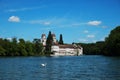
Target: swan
{"type": "Point", "coordinates": [43, 64]}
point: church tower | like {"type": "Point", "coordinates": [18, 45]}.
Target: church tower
{"type": "Point", "coordinates": [43, 39]}
{"type": "Point", "coordinates": [54, 38]}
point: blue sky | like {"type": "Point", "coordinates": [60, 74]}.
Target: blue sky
{"type": "Point", "coordinates": [77, 20]}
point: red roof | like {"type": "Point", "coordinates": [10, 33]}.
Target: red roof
{"type": "Point", "coordinates": [69, 46]}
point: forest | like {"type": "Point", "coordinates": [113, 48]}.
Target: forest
{"type": "Point", "coordinates": [109, 47]}
{"type": "Point", "coordinates": [20, 47]}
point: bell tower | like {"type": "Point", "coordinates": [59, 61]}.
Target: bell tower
{"type": "Point", "coordinates": [43, 39]}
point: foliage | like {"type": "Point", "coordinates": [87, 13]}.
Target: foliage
{"type": "Point", "coordinates": [20, 48]}
{"type": "Point", "coordinates": [109, 47]}
{"type": "Point", "coordinates": [29, 48]}
{"type": "Point", "coordinates": [37, 47]}
{"type": "Point", "coordinates": [2, 51]}
{"type": "Point", "coordinates": [61, 39]}
{"type": "Point", "coordinates": [13, 47]}
{"type": "Point", "coordinates": [112, 43]}
{"type": "Point", "coordinates": [92, 48]}
{"type": "Point", "coordinates": [49, 43]}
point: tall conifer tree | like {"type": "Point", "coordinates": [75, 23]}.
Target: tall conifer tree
{"type": "Point", "coordinates": [61, 39]}
{"type": "Point", "coordinates": [49, 42]}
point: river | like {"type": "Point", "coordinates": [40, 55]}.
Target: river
{"type": "Point", "coordinates": [85, 67]}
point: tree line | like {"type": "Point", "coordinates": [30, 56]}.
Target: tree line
{"type": "Point", "coordinates": [20, 47]}
{"type": "Point", "coordinates": [109, 47]}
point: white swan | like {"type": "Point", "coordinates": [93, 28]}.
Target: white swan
{"type": "Point", "coordinates": [43, 64]}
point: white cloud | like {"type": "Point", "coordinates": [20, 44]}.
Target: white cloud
{"type": "Point", "coordinates": [14, 19]}
{"type": "Point", "coordinates": [94, 23]}
{"type": "Point", "coordinates": [24, 9]}
{"type": "Point", "coordinates": [83, 40]}
{"type": "Point", "coordinates": [47, 23]}
{"type": "Point", "coordinates": [90, 36]}
{"type": "Point", "coordinates": [42, 22]}
{"type": "Point", "coordinates": [86, 31]}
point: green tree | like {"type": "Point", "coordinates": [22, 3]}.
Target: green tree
{"type": "Point", "coordinates": [61, 39]}
{"type": "Point", "coordinates": [2, 51]}
{"type": "Point", "coordinates": [49, 43]}
{"type": "Point", "coordinates": [7, 46]}
{"type": "Point", "coordinates": [14, 47]}
{"type": "Point", "coordinates": [112, 43]}
{"type": "Point", "coordinates": [37, 47]}
{"type": "Point", "coordinates": [92, 48]}
{"type": "Point", "coordinates": [22, 47]}
{"type": "Point", "coordinates": [29, 48]}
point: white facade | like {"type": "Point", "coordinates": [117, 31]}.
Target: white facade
{"type": "Point", "coordinates": [54, 38]}
{"type": "Point", "coordinates": [66, 50]}
{"type": "Point", "coordinates": [43, 39]}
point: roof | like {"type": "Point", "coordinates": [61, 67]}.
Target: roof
{"type": "Point", "coordinates": [69, 46]}
{"type": "Point", "coordinates": [65, 46]}
{"type": "Point", "coordinates": [43, 35]}
{"type": "Point", "coordinates": [53, 35]}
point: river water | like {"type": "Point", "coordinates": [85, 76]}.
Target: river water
{"type": "Point", "coordinates": [60, 68]}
